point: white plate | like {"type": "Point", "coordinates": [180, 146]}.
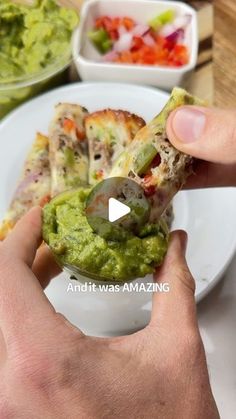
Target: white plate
{"type": "Point", "coordinates": [208, 216]}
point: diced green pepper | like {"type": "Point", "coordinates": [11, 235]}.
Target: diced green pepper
{"type": "Point", "coordinates": [69, 156]}
{"type": "Point", "coordinates": [106, 45]}
{"type": "Point", "coordinates": [144, 158]}
{"type": "Point", "coordinates": [160, 20]}
{"type": "Point", "coordinates": [101, 40]}
{"type": "Point", "coordinates": [98, 36]}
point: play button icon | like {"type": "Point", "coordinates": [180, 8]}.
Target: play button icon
{"type": "Point", "coordinates": [115, 207]}
{"type": "Point", "coordinates": [116, 210]}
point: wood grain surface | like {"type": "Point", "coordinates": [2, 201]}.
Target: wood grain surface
{"type": "Point", "coordinates": [225, 53]}
{"type": "Point", "coordinates": [223, 82]}
{"type": "Point", "coordinates": [200, 82]}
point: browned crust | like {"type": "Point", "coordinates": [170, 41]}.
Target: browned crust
{"type": "Point", "coordinates": [118, 115]}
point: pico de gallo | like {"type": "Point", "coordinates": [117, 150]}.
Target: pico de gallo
{"type": "Point", "coordinates": [159, 42]}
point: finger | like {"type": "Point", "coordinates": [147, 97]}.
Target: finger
{"type": "Point", "coordinates": [21, 297]}
{"type": "Point", "coordinates": [208, 134]}
{"type": "Point", "coordinates": [176, 308]}
{"type": "Point", "coordinates": [44, 267]}
{"type": "Point", "coordinates": [25, 238]}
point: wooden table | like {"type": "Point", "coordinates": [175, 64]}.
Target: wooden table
{"type": "Point", "coordinates": [225, 53]}
{"type": "Point", "coordinates": [200, 82]}
{"type": "Point", "coordinates": [220, 74]}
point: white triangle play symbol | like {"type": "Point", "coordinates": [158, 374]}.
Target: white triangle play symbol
{"type": "Point", "coordinates": [116, 209]}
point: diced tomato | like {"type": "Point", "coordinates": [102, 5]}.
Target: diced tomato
{"type": "Point", "coordinates": [148, 177]}
{"type": "Point", "coordinates": [149, 190]}
{"type": "Point", "coordinates": [68, 125]}
{"type": "Point", "coordinates": [80, 134]}
{"type": "Point", "coordinates": [137, 43]}
{"type": "Point", "coordinates": [99, 22]}
{"type": "Point", "coordinates": [116, 22]}
{"type": "Point", "coordinates": [125, 57]}
{"type": "Point", "coordinates": [179, 55]}
{"type": "Point", "coordinates": [114, 35]}
{"type": "Point", "coordinates": [149, 57]}
{"type": "Point", "coordinates": [128, 23]}
{"type": "Point", "coordinates": [99, 174]}
{"type": "Point", "coordinates": [180, 49]}
{"type": "Point", "coordinates": [108, 24]}
{"type": "Point", "coordinates": [44, 200]}
{"type": "Point", "coordinates": [111, 25]}
{"type": "Point", "coordinates": [156, 161]}
{"type": "Point", "coordinates": [104, 22]}
{"type": "Point", "coordinates": [135, 56]}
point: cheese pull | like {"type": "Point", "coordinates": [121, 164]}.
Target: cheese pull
{"type": "Point", "coordinates": [153, 162]}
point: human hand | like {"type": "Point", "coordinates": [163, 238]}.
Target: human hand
{"type": "Point", "coordinates": [49, 369]}
{"type": "Point", "coordinates": [210, 135]}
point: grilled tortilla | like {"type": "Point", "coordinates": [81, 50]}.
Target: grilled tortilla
{"type": "Point", "coordinates": [34, 186]}
{"type": "Point", "coordinates": [68, 148]}
{"type": "Point", "coordinates": [153, 162]}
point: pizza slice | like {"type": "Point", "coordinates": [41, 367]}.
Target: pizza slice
{"type": "Point", "coordinates": [153, 162]}
{"type": "Point", "coordinates": [68, 148]}
{"type": "Point", "coordinates": [108, 132]}
{"type": "Point", "coordinates": [34, 186]}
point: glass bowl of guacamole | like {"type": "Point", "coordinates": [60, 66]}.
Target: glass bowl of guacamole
{"type": "Point", "coordinates": [80, 251]}
{"type": "Point", "coordinates": [35, 49]}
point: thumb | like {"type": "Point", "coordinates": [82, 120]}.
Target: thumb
{"type": "Point", "coordinates": [205, 133]}
{"type": "Point", "coordinates": [175, 308]}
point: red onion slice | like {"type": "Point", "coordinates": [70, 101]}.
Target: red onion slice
{"type": "Point", "coordinates": [140, 30]}
{"type": "Point", "coordinates": [31, 178]}
{"type": "Point", "coordinates": [121, 31]}
{"type": "Point", "coordinates": [148, 39]}
{"type": "Point", "coordinates": [167, 30]}
{"type": "Point", "coordinates": [176, 35]}
{"type": "Point", "coordinates": [124, 43]}
{"type": "Point", "coordinates": [182, 21]}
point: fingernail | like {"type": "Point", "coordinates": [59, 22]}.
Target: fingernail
{"type": "Point", "coordinates": [188, 124]}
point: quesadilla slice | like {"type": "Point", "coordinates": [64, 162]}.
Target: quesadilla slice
{"type": "Point", "coordinates": [153, 162]}
{"type": "Point", "coordinates": [68, 148]}
{"type": "Point", "coordinates": [34, 186]}
{"type": "Point", "coordinates": [108, 132]}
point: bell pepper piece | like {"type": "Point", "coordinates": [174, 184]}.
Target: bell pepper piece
{"type": "Point", "coordinates": [145, 157]}
{"type": "Point", "coordinates": [160, 20]}
{"type": "Point", "coordinates": [101, 40]}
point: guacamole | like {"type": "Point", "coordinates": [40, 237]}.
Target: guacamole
{"type": "Point", "coordinates": [74, 244]}
{"type": "Point", "coordinates": [33, 37]}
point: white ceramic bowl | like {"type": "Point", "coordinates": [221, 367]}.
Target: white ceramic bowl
{"type": "Point", "coordinates": [88, 60]}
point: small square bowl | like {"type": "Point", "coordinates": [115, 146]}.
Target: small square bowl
{"type": "Point", "coordinates": [88, 61]}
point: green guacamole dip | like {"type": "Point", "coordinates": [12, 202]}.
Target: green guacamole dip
{"type": "Point", "coordinates": [33, 37]}
{"type": "Point", "coordinates": [74, 244]}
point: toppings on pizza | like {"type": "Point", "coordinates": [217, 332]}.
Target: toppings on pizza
{"type": "Point", "coordinates": [108, 132]}
{"type": "Point", "coordinates": [34, 186]}
{"type": "Point", "coordinates": [68, 148]}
